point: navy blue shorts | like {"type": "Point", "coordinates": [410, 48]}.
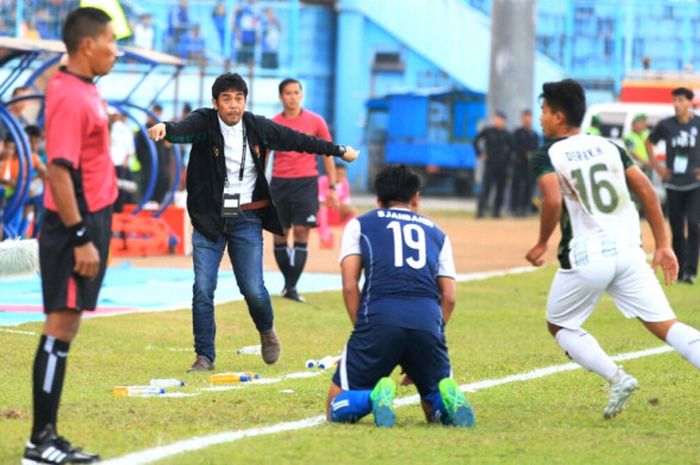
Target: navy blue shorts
{"type": "Point", "coordinates": [373, 352]}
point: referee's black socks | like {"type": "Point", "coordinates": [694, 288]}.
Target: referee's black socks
{"type": "Point", "coordinates": [282, 259]}
{"type": "Point", "coordinates": [48, 374]}
{"type": "Point", "coordinates": [298, 261]}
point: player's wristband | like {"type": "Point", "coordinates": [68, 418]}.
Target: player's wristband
{"type": "Point", "coordinates": [79, 234]}
{"type": "Point", "coordinates": [331, 187]}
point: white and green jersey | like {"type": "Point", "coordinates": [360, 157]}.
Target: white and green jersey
{"type": "Point", "coordinates": [591, 172]}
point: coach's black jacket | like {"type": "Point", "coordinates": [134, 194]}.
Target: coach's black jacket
{"type": "Point", "coordinates": [206, 170]}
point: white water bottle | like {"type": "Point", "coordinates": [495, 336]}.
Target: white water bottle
{"type": "Point", "coordinates": [167, 382]}
{"type": "Point", "coordinates": [249, 350]}
{"type": "Point", "coordinates": [327, 362]}
{"type": "Point", "coordinates": [138, 391]}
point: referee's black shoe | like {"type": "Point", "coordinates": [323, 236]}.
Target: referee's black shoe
{"type": "Point", "coordinates": [292, 294]}
{"type": "Point", "coordinates": [53, 449]}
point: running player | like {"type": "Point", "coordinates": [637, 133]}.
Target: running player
{"type": "Point", "coordinates": [294, 186]}
{"type": "Point", "coordinates": [600, 248]}
{"type": "Point", "coordinates": [400, 316]}
{"type": "Point", "coordinates": [76, 230]}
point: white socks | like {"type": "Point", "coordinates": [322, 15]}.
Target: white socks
{"type": "Point", "coordinates": [585, 350]}
{"type": "Point", "coordinates": [686, 340]}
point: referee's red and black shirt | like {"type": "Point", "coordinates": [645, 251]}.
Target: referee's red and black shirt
{"type": "Point", "coordinates": [77, 136]}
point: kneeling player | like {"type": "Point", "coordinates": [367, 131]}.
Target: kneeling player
{"type": "Point", "coordinates": [399, 318]}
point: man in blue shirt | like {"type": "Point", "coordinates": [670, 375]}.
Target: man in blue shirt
{"type": "Point", "coordinates": [399, 317]}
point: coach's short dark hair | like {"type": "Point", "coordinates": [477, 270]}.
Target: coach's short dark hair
{"type": "Point", "coordinates": [229, 81]}
{"type": "Point", "coordinates": [568, 97]}
{"type": "Point", "coordinates": [683, 92]}
{"type": "Point", "coordinates": [81, 23]}
{"type": "Point", "coordinates": [288, 81]}
{"type": "Point", "coordinates": [396, 183]}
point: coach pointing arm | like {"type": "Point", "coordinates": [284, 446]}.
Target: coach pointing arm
{"type": "Point", "coordinates": [274, 136]}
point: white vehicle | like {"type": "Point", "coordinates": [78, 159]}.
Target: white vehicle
{"type": "Point", "coordinates": [616, 118]}
{"type": "Point", "coordinates": [616, 123]}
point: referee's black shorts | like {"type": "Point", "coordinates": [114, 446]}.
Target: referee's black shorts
{"type": "Point", "coordinates": [296, 200]}
{"type": "Point", "coordinates": [60, 286]}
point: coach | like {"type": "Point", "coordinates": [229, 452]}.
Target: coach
{"type": "Point", "coordinates": [229, 203]}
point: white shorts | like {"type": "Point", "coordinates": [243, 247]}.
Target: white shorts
{"type": "Point", "coordinates": [626, 276]}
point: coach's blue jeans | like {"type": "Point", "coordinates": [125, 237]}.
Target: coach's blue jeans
{"type": "Point", "coordinates": [243, 236]}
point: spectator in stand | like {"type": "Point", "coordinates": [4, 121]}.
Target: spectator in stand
{"type": "Point", "coordinates": [29, 30]}
{"type": "Point", "coordinates": [178, 25]}
{"type": "Point", "coordinates": [143, 32]}
{"type": "Point", "coordinates": [17, 108]}
{"type": "Point", "coordinates": [34, 207]}
{"type": "Point", "coordinates": [245, 25]}
{"type": "Point", "coordinates": [9, 173]}
{"type": "Point", "coordinates": [218, 16]}
{"type": "Point", "coordinates": [271, 34]}
{"type": "Point", "coordinates": [192, 46]}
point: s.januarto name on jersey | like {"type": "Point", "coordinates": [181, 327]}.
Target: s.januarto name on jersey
{"type": "Point", "coordinates": [582, 155]}
{"type": "Point", "coordinates": [405, 216]}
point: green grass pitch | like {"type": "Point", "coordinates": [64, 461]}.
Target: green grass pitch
{"type": "Point", "coordinates": [497, 329]}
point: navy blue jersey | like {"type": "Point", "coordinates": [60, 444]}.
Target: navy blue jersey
{"type": "Point", "coordinates": [403, 254]}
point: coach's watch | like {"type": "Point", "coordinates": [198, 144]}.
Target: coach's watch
{"type": "Point", "coordinates": [341, 149]}
{"type": "Point", "coordinates": [331, 187]}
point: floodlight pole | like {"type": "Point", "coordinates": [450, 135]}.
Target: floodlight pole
{"type": "Point", "coordinates": [512, 69]}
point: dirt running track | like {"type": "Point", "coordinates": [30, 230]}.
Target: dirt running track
{"type": "Point", "coordinates": [478, 245]}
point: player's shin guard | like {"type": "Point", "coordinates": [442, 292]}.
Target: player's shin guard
{"type": "Point", "coordinates": [686, 340]}
{"type": "Point", "coordinates": [585, 350]}
{"type": "Point", "coordinates": [350, 406]}
{"type": "Point", "coordinates": [47, 380]}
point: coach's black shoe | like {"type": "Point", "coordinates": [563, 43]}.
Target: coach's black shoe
{"type": "Point", "coordinates": [292, 294]}
{"type": "Point", "coordinates": [688, 279]}
{"type": "Point", "coordinates": [53, 449]}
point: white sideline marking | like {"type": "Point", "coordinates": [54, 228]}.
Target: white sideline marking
{"type": "Point", "coordinates": [201, 442]}
{"type": "Point", "coordinates": [481, 275]}
{"type": "Point", "coordinates": [15, 331]}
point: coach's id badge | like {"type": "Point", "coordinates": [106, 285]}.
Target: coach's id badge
{"type": "Point", "coordinates": [231, 205]}
{"type": "Point", "coordinates": [680, 164]}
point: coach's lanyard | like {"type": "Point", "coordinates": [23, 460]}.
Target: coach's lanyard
{"type": "Point", "coordinates": [243, 155]}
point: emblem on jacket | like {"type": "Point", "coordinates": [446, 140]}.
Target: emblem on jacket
{"type": "Point", "coordinates": [256, 149]}
{"type": "Point", "coordinates": [216, 151]}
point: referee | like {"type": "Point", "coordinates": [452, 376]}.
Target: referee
{"type": "Point", "coordinates": [77, 225]}
{"type": "Point", "coordinates": [294, 186]}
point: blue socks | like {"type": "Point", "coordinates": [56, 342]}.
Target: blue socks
{"type": "Point", "coordinates": [350, 406]}
{"type": "Point", "coordinates": [438, 412]}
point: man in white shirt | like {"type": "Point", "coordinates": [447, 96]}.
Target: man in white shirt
{"type": "Point", "coordinates": [143, 32]}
